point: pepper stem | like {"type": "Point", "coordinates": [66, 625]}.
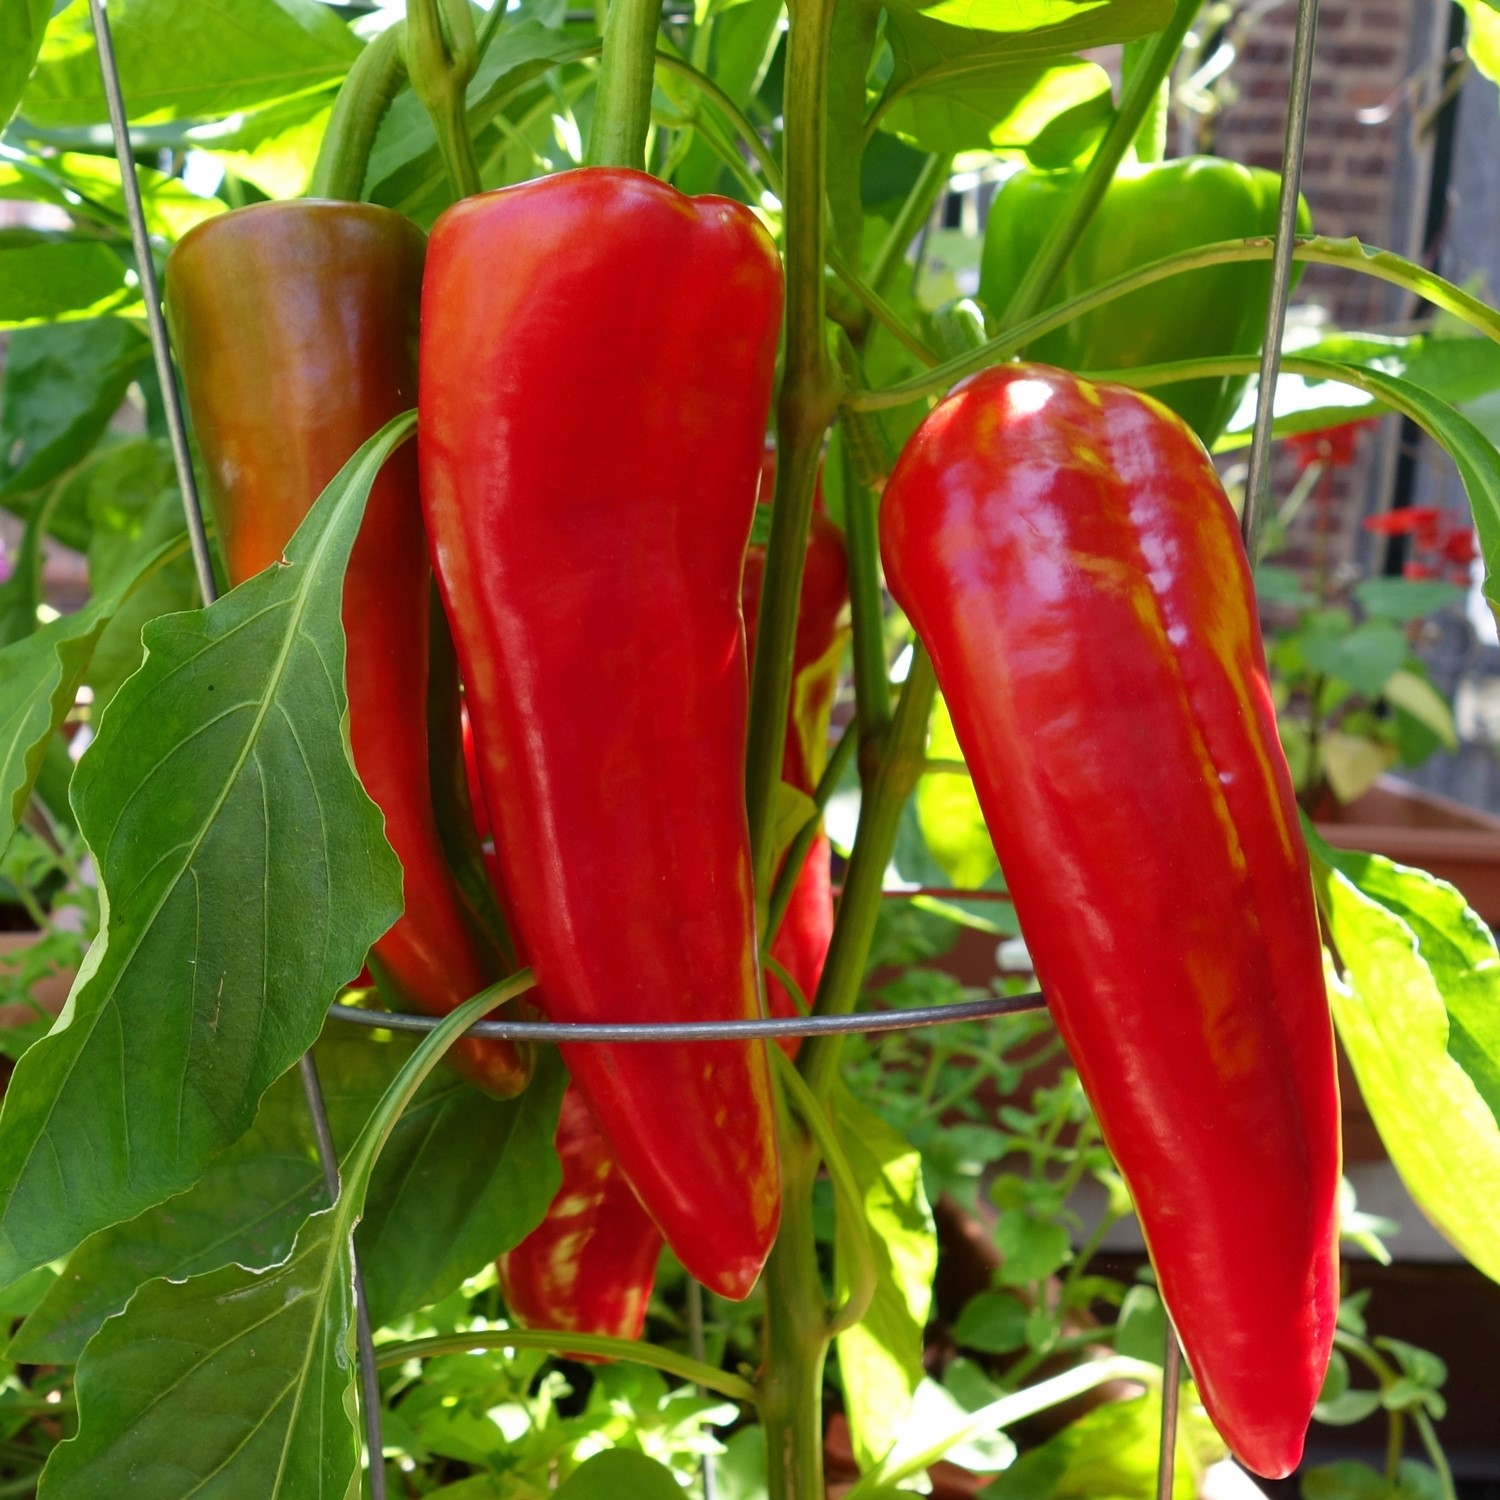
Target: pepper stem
{"type": "Point", "coordinates": [441, 55]}
{"type": "Point", "coordinates": [627, 69]}
{"type": "Point", "coordinates": [378, 75]}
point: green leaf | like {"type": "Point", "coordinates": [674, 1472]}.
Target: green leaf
{"type": "Point", "coordinates": [21, 593]}
{"type": "Point", "coordinates": [188, 59]}
{"type": "Point", "coordinates": [464, 1178]}
{"type": "Point", "coordinates": [1030, 1248]}
{"type": "Point", "coordinates": [1351, 1480]}
{"type": "Point", "coordinates": [1473, 454]}
{"type": "Point", "coordinates": [992, 1323]}
{"type": "Point", "coordinates": [1365, 658]}
{"type": "Point", "coordinates": [1418, 1012]}
{"type": "Point", "coordinates": [22, 25]}
{"type": "Point", "coordinates": [45, 277]}
{"type": "Point", "coordinates": [1452, 368]}
{"type": "Point", "coordinates": [1141, 1328]}
{"type": "Point", "coordinates": [39, 680]}
{"type": "Point", "coordinates": [1404, 598]}
{"type": "Point", "coordinates": [63, 383]}
{"type": "Point", "coordinates": [880, 1358]}
{"type": "Point", "coordinates": [245, 1210]}
{"type": "Point", "coordinates": [405, 147]}
{"type": "Point", "coordinates": [241, 1382]}
{"type": "Point", "coordinates": [1484, 37]}
{"type": "Point", "coordinates": [88, 188]}
{"type": "Point", "coordinates": [438, 1209]}
{"type": "Point", "coordinates": [992, 102]}
{"type": "Point", "coordinates": [1416, 696]}
{"type": "Point", "coordinates": [244, 873]}
{"type": "Point", "coordinates": [972, 59]}
{"type": "Point", "coordinates": [133, 507]}
{"type": "Point", "coordinates": [948, 810]}
{"type": "Point", "coordinates": [1278, 585]}
{"type": "Point", "coordinates": [1111, 1453]}
{"type": "Point", "coordinates": [617, 1472]}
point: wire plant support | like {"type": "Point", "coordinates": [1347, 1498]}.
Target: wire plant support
{"type": "Point", "coordinates": [767, 1028]}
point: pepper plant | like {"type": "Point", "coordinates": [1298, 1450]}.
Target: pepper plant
{"type": "Point", "coordinates": [649, 232]}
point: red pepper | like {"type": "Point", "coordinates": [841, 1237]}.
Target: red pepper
{"type": "Point", "coordinates": [801, 942]}
{"type": "Point", "coordinates": [590, 1265]}
{"type": "Point", "coordinates": [296, 331]}
{"type": "Point", "coordinates": [1066, 554]}
{"type": "Point", "coordinates": [597, 355]}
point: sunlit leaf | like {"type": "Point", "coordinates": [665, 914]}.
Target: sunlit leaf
{"type": "Point", "coordinates": [880, 1358]}
{"type": "Point", "coordinates": [1418, 1012]}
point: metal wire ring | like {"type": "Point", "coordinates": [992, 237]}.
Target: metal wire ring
{"type": "Point", "coordinates": [704, 1031]}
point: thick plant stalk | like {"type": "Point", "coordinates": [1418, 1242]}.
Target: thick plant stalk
{"type": "Point", "coordinates": [806, 406]}
{"type": "Point", "coordinates": [622, 102]}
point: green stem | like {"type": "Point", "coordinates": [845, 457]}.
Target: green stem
{"type": "Point", "coordinates": [859, 907]}
{"type": "Point", "coordinates": [1014, 1377]}
{"type": "Point", "coordinates": [1434, 1449]}
{"type": "Point", "coordinates": [859, 1275]}
{"type": "Point", "coordinates": [622, 101]}
{"type": "Point", "coordinates": [1151, 139]}
{"type": "Point", "coordinates": [791, 864]}
{"type": "Point", "coordinates": [796, 1335]}
{"type": "Point", "coordinates": [879, 309]}
{"type": "Point", "coordinates": [378, 75]}
{"type": "Point", "coordinates": [867, 462]}
{"type": "Point", "coordinates": [736, 117]}
{"type": "Point", "coordinates": [1007, 1411]}
{"type": "Point", "coordinates": [1349, 254]}
{"type": "Point", "coordinates": [808, 398]}
{"type": "Point", "coordinates": [1041, 275]}
{"type": "Point", "coordinates": [913, 214]}
{"type": "Point", "coordinates": [441, 56]}
{"type": "Point", "coordinates": [489, 27]}
{"type": "Point", "coordinates": [1395, 1441]}
{"type": "Point", "coordinates": [558, 1342]}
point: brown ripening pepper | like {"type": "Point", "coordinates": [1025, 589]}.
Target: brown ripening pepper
{"type": "Point", "coordinates": [295, 326]}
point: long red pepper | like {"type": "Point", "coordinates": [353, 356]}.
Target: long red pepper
{"type": "Point", "coordinates": [1066, 554]}
{"type": "Point", "coordinates": [589, 1266]}
{"type": "Point", "coordinates": [801, 942]}
{"type": "Point", "coordinates": [296, 332]}
{"type": "Point", "coordinates": [597, 356]}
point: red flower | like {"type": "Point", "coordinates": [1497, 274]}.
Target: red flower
{"type": "Point", "coordinates": [1410, 518]}
{"type": "Point", "coordinates": [1333, 447]}
{"type": "Point", "coordinates": [1459, 545]}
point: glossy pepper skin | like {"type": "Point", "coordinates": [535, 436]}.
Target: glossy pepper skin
{"type": "Point", "coordinates": [801, 942]}
{"type": "Point", "coordinates": [597, 356]}
{"type": "Point", "coordinates": [589, 1266]}
{"type": "Point", "coordinates": [1066, 553]}
{"type": "Point", "coordinates": [1150, 211]}
{"type": "Point", "coordinates": [296, 333]}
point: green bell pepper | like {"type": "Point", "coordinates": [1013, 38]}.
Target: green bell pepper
{"type": "Point", "coordinates": [1150, 211]}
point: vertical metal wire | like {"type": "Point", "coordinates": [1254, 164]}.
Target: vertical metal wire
{"type": "Point", "coordinates": [1171, 1387]}
{"type": "Point", "coordinates": [161, 350]}
{"type": "Point", "coordinates": [369, 1374]}
{"type": "Point", "coordinates": [700, 1352]}
{"type": "Point", "coordinates": [1257, 481]}
{"type": "Point", "coordinates": [146, 269]}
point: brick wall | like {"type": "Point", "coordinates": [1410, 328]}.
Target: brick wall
{"type": "Point", "coordinates": [1359, 171]}
{"type": "Point", "coordinates": [1366, 171]}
